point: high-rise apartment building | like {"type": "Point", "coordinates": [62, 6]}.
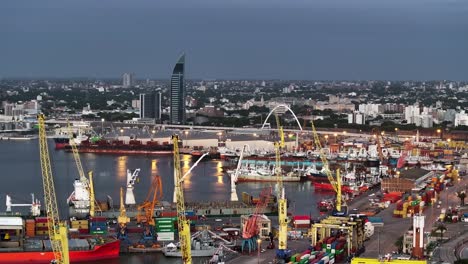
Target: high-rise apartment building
{"type": "Point", "coordinates": [150, 105]}
{"type": "Point", "coordinates": [127, 80]}
{"type": "Point", "coordinates": [177, 105]}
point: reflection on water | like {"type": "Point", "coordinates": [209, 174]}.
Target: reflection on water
{"type": "Point", "coordinates": [122, 167]}
{"type": "Point", "coordinates": [186, 159]}
{"type": "Point", "coordinates": [154, 167]}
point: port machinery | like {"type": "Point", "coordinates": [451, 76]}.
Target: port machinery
{"type": "Point", "coordinates": [250, 230]}
{"type": "Point", "coordinates": [57, 229]}
{"type": "Point", "coordinates": [341, 209]}
{"type": "Point", "coordinates": [282, 252]}
{"type": "Point", "coordinates": [146, 211]}
{"type": "Point", "coordinates": [183, 223]}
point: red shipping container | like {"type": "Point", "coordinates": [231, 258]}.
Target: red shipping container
{"type": "Point", "coordinates": [42, 219]}
{"type": "Point", "coordinates": [83, 231]}
{"type": "Point", "coordinates": [169, 214]}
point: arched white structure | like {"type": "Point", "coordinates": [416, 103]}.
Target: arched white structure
{"type": "Point", "coordinates": [287, 108]}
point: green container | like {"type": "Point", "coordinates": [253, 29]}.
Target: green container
{"type": "Point", "coordinates": [101, 232]}
{"type": "Point", "coordinates": [294, 257]}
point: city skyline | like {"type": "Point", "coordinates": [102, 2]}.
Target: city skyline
{"type": "Point", "coordinates": [298, 40]}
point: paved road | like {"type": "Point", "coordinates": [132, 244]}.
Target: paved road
{"type": "Point", "coordinates": [396, 227]}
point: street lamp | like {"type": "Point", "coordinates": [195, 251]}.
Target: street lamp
{"type": "Point", "coordinates": [102, 126]}
{"type": "Point", "coordinates": [185, 134]}
{"type": "Point", "coordinates": [326, 139]}
{"type": "Point", "coordinates": [259, 241]}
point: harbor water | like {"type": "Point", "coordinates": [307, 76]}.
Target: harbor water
{"type": "Point", "coordinates": [21, 176]}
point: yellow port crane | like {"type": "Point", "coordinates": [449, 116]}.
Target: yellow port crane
{"type": "Point", "coordinates": [376, 132]}
{"type": "Point", "coordinates": [93, 206]}
{"type": "Point", "coordinates": [123, 219]}
{"type": "Point", "coordinates": [57, 230]}
{"type": "Point", "coordinates": [336, 183]}
{"type": "Point", "coordinates": [182, 223]}
{"type": "Point", "coordinates": [282, 203]}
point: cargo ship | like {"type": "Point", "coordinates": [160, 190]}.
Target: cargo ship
{"type": "Point", "coordinates": [262, 174]}
{"type": "Point", "coordinates": [135, 147]}
{"type": "Point", "coordinates": [61, 142]}
{"type": "Point", "coordinates": [33, 249]}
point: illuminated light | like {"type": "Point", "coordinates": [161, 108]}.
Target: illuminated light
{"type": "Point", "coordinates": [335, 134]}
{"type": "Point", "coordinates": [326, 136]}
{"type": "Point", "coordinates": [122, 167]}
{"type": "Point", "coordinates": [154, 131]}
{"type": "Point", "coordinates": [219, 133]}
{"type": "Point", "coordinates": [220, 179]}
{"type": "Point", "coordinates": [121, 130]}
{"type": "Point", "coordinates": [186, 132]}
{"type": "Point", "coordinates": [102, 120]}
{"type": "Point", "coordinates": [439, 131]}
{"type": "Point", "coordinates": [448, 139]}
{"type": "Point", "coordinates": [344, 132]}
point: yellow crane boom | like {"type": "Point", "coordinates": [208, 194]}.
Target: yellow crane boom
{"type": "Point", "coordinates": [182, 222]}
{"type": "Point", "coordinates": [282, 202]}
{"type": "Point", "coordinates": [57, 230]}
{"type": "Point", "coordinates": [336, 183]}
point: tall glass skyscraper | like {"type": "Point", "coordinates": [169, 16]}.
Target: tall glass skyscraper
{"type": "Point", "coordinates": [178, 92]}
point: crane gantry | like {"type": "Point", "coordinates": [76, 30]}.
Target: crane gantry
{"type": "Point", "coordinates": [336, 183]}
{"type": "Point", "coordinates": [57, 230]}
{"type": "Point", "coordinates": [182, 223]}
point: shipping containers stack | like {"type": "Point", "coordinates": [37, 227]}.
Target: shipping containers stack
{"type": "Point", "coordinates": [81, 225]}
{"type": "Point", "coordinates": [301, 221]}
{"type": "Point", "coordinates": [33, 245]}
{"type": "Point", "coordinates": [41, 226]}
{"type": "Point", "coordinates": [165, 228]}
{"type": "Point", "coordinates": [30, 227]}
{"type": "Point", "coordinates": [97, 225]}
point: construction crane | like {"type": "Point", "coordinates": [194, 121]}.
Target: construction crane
{"type": "Point", "coordinates": [57, 230]}
{"type": "Point", "coordinates": [182, 223]}
{"type": "Point", "coordinates": [283, 220]}
{"type": "Point", "coordinates": [340, 205]}
{"type": "Point", "coordinates": [123, 219]}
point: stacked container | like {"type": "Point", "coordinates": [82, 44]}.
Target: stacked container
{"type": "Point", "coordinates": [165, 228]}
{"type": "Point", "coordinates": [41, 226]}
{"type": "Point", "coordinates": [30, 227]}
{"type": "Point", "coordinates": [81, 225]}
{"type": "Point", "coordinates": [97, 225]}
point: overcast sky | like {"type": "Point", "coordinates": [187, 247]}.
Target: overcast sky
{"type": "Point", "coordinates": [255, 39]}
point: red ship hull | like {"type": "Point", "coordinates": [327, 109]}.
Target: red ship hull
{"type": "Point", "coordinates": [100, 252]}
{"type": "Point", "coordinates": [322, 186]}
{"type": "Point", "coordinates": [61, 145]}
{"type": "Point", "coordinates": [123, 151]}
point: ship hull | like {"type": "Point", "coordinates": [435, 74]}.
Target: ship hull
{"type": "Point", "coordinates": [100, 252]}
{"type": "Point", "coordinates": [266, 179]}
{"type": "Point", "coordinates": [123, 151]}
{"type": "Point", "coordinates": [328, 187]}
